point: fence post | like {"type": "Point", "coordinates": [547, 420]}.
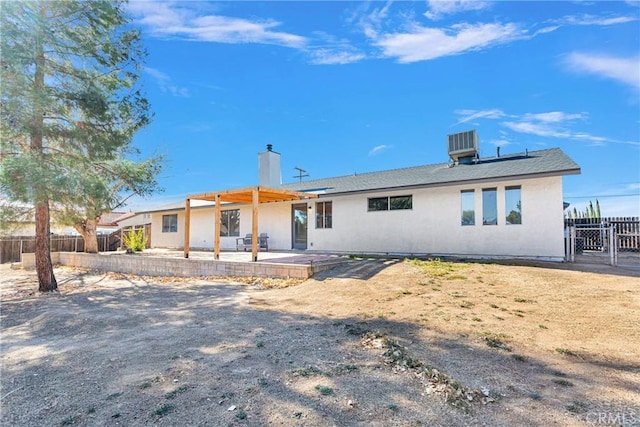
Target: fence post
{"type": "Point", "coordinates": [613, 253]}
{"type": "Point", "coordinates": [572, 243]}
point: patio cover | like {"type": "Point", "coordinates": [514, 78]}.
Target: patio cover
{"type": "Point", "coordinates": [253, 195]}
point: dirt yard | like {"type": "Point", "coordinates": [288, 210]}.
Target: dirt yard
{"type": "Point", "coordinates": [376, 342]}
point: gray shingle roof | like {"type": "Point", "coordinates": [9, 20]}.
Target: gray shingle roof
{"type": "Point", "coordinates": [551, 162]}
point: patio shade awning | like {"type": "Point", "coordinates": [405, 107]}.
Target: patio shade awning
{"type": "Point", "coordinates": [245, 195]}
{"type": "Point", "coordinates": [252, 195]}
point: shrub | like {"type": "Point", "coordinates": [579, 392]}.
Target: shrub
{"type": "Point", "coordinates": [135, 240]}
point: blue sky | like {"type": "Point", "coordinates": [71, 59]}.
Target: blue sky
{"type": "Point", "coordinates": [342, 87]}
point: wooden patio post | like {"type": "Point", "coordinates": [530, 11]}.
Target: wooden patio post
{"type": "Point", "coordinates": [254, 225]}
{"type": "Point", "coordinates": [187, 225]}
{"type": "Point", "coordinates": [216, 233]}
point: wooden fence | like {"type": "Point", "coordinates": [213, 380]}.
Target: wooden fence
{"type": "Point", "coordinates": [627, 230]}
{"type": "Point", "coordinates": [11, 248]}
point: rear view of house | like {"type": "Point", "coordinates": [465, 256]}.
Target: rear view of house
{"type": "Point", "coordinates": [505, 206]}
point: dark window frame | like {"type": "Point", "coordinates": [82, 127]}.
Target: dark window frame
{"type": "Point", "coordinates": [385, 203]}
{"type": "Point", "coordinates": [400, 207]}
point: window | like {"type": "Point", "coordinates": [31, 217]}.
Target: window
{"type": "Point", "coordinates": [467, 207]}
{"type": "Point", "coordinates": [400, 202]}
{"type": "Point", "coordinates": [230, 223]}
{"type": "Point", "coordinates": [324, 214]}
{"type": "Point", "coordinates": [489, 206]}
{"type": "Point", "coordinates": [513, 205]}
{"type": "Point", "coordinates": [170, 223]}
{"type": "Point", "coordinates": [378, 204]}
{"type": "Point", "coordinates": [390, 203]}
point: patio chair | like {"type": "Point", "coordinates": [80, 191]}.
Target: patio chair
{"type": "Point", "coordinates": [263, 241]}
{"type": "Point", "coordinates": [244, 243]}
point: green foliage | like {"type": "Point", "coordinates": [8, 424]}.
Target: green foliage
{"type": "Point", "coordinates": [324, 390]}
{"type": "Point", "coordinates": [135, 240]}
{"type": "Point", "coordinates": [436, 267]}
{"type": "Point", "coordinates": [71, 103]}
{"type": "Point", "coordinates": [589, 212]}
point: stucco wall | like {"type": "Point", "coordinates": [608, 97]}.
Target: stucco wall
{"type": "Point", "coordinates": [274, 219]}
{"type": "Point", "coordinates": [431, 227]}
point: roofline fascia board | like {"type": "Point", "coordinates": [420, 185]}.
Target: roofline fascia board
{"type": "Point", "coordinates": [454, 183]}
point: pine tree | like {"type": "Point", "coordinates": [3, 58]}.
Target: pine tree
{"type": "Point", "coordinates": [70, 106]}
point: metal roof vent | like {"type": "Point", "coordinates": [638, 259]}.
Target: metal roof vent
{"type": "Point", "coordinates": [463, 146]}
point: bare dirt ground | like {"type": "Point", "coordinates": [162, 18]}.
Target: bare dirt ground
{"type": "Point", "coordinates": [376, 342]}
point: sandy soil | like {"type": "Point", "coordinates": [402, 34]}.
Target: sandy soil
{"type": "Point", "coordinates": [377, 342]}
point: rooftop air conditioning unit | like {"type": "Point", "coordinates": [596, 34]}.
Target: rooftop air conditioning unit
{"type": "Point", "coordinates": [463, 145]}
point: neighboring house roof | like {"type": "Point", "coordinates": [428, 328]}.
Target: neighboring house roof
{"type": "Point", "coordinates": [124, 217]}
{"type": "Point", "coordinates": [551, 162]}
{"type": "Point", "coordinates": [109, 219]}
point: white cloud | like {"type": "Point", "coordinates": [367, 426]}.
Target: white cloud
{"type": "Point", "coordinates": [330, 57]}
{"type": "Point", "coordinates": [623, 70]}
{"type": "Point", "coordinates": [554, 117]}
{"type": "Point", "coordinates": [470, 115]}
{"type": "Point", "coordinates": [556, 124]}
{"type": "Point", "coordinates": [423, 43]}
{"type": "Point", "coordinates": [439, 8]}
{"type": "Point", "coordinates": [373, 21]}
{"type": "Point", "coordinates": [500, 142]}
{"type": "Point", "coordinates": [378, 149]}
{"type": "Point", "coordinates": [327, 49]}
{"type": "Point", "coordinates": [552, 124]}
{"type": "Point", "coordinates": [177, 20]}
{"type": "Point", "coordinates": [164, 83]}
{"type": "Point", "coordinates": [536, 128]}
{"type": "Point", "coordinates": [595, 20]}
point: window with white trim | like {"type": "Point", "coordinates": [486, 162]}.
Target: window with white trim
{"type": "Point", "coordinates": [489, 206]}
{"type": "Point", "coordinates": [467, 207]}
{"type": "Point", "coordinates": [513, 205]}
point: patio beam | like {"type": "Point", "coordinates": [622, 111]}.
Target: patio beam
{"type": "Point", "coordinates": [216, 238]}
{"type": "Point", "coordinates": [187, 226]}
{"type": "Point", "coordinates": [254, 224]}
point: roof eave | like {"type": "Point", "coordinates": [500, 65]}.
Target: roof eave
{"type": "Point", "coordinates": [573, 171]}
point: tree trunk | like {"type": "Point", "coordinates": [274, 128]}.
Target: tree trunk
{"type": "Point", "coordinates": [88, 231]}
{"type": "Point", "coordinates": [44, 267]}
